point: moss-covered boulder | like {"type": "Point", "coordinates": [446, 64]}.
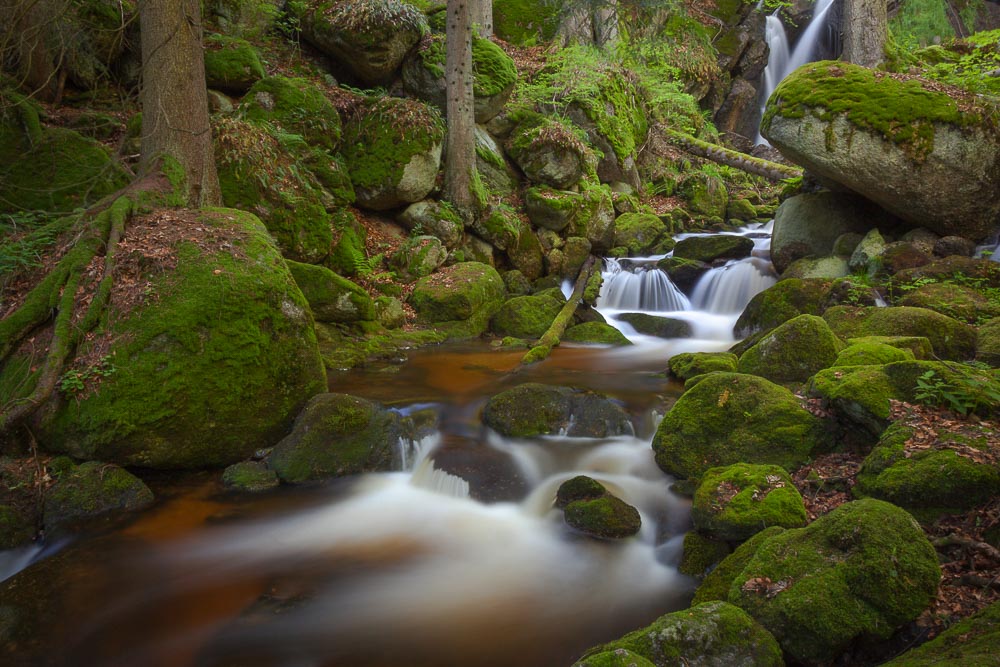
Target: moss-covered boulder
{"type": "Point", "coordinates": [685, 273]}
{"type": "Point", "coordinates": [604, 518]}
{"type": "Point", "coordinates": [618, 657]}
{"type": "Point", "coordinates": [295, 105]}
{"type": "Point", "coordinates": [657, 325]}
{"type": "Point", "coordinates": [533, 409]}
{"type": "Point", "coordinates": [595, 332]}
{"type": "Point", "coordinates": [712, 248]}
{"type": "Point", "coordinates": [337, 435]}
{"type": "Point", "coordinates": [525, 22]}
{"type": "Point", "coordinates": [231, 64]}
{"type": "Point", "coordinates": [950, 338]}
{"type": "Point", "coordinates": [918, 346]}
{"type": "Point", "coordinates": [715, 633]}
{"type": "Point", "coordinates": [549, 152]}
{"type": "Point", "coordinates": [91, 489]}
{"type": "Point", "coordinates": [793, 351]}
{"type": "Point", "coordinates": [735, 502]}
{"type": "Point", "coordinates": [706, 195]}
{"type": "Point", "coordinates": [642, 234]}
{"type": "Point", "coordinates": [853, 575]}
{"type": "Point", "coordinates": [731, 418]}
{"type": "Point", "coordinates": [17, 526]}
{"type": "Point", "coordinates": [493, 75]}
{"type": "Point", "coordinates": [369, 38]}
{"type": "Point", "coordinates": [716, 584]}
{"type": "Point", "coordinates": [332, 298]}
{"type": "Point", "coordinates": [392, 149]}
{"type": "Point", "coordinates": [781, 302]}
{"type": "Point", "coordinates": [929, 155]}
{"type": "Point", "coordinates": [869, 354]}
{"type": "Point", "coordinates": [956, 301]}
{"type": "Point", "coordinates": [687, 365]}
{"type": "Point", "coordinates": [49, 168]}
{"type": "Point", "coordinates": [526, 316]}
{"type": "Point", "coordinates": [462, 298]}
{"type": "Point", "coordinates": [931, 470]}
{"type": "Point", "coordinates": [250, 477]}
{"type": "Point", "coordinates": [420, 256]}
{"type": "Point", "coordinates": [552, 209]}
{"type": "Point", "coordinates": [701, 554]}
{"type": "Point", "coordinates": [433, 218]}
{"type": "Point", "coordinates": [823, 267]}
{"type": "Point", "coordinates": [971, 641]}
{"type": "Point", "coordinates": [260, 173]}
{"type": "Point", "coordinates": [988, 343]}
{"type": "Point", "coordinates": [212, 366]}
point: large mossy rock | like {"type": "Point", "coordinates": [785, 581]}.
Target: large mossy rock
{"type": "Point", "coordinates": [89, 490]}
{"type": "Point", "coordinates": [988, 343]}
{"type": "Point", "coordinates": [215, 365]}
{"type": "Point", "coordinates": [420, 256]}
{"type": "Point", "coordinates": [972, 641]}
{"type": "Point", "coordinates": [433, 218]}
{"type": "Point", "coordinates": [525, 22]}
{"type": "Point", "coordinates": [370, 38]}
{"type": "Point", "coordinates": [618, 657]}
{"type": "Point", "coordinates": [706, 195]}
{"type": "Point", "coordinates": [793, 351]}
{"type": "Point", "coordinates": [462, 298]}
{"type": "Point", "coordinates": [549, 152]}
{"type": "Point", "coordinates": [642, 234]}
{"type": "Point", "coordinates": [295, 105]}
{"type": "Point", "coordinates": [871, 354]}
{"type": "Point", "coordinates": [657, 325]}
{"type": "Point", "coordinates": [604, 518]}
{"type": "Point", "coordinates": [855, 574]}
{"type": "Point", "coordinates": [930, 157]}
{"type": "Point", "coordinates": [231, 64]}
{"type": "Point", "coordinates": [687, 365]}
{"type": "Point", "coordinates": [956, 301]}
{"type": "Point", "coordinates": [954, 474]}
{"type": "Point", "coordinates": [533, 409]}
{"type": "Point", "coordinates": [392, 148]}
{"type": "Point", "coordinates": [588, 214]}
{"type": "Point", "coordinates": [809, 225]}
{"type": "Point", "coordinates": [716, 584]}
{"type": "Point", "coordinates": [712, 248]}
{"type": "Point", "coordinates": [710, 634]}
{"type": "Point", "coordinates": [338, 435]}
{"type": "Point", "coordinates": [781, 302]}
{"type": "Point", "coordinates": [597, 333]}
{"type": "Point", "coordinates": [493, 75]}
{"type": "Point", "coordinates": [950, 338]}
{"type": "Point", "coordinates": [49, 168]}
{"type": "Point", "coordinates": [729, 418]}
{"type": "Point", "coordinates": [736, 502]}
{"type": "Point", "coordinates": [332, 298]}
{"type": "Point", "coordinates": [526, 316]}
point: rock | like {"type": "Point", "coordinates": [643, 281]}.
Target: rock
{"type": "Point", "coordinates": [929, 158]}
{"type": "Point", "coordinates": [389, 312]}
{"type": "Point", "coordinates": [956, 301]}
{"type": "Point", "coordinates": [738, 112]}
{"type": "Point", "coordinates": [981, 270]}
{"type": "Point", "coordinates": [715, 633]}
{"type": "Point", "coordinates": [461, 297]}
{"type": "Point", "coordinates": [901, 255]}
{"type": "Point", "coordinates": [809, 225]}
{"type": "Point", "coordinates": [855, 574]}
{"type": "Point", "coordinates": [516, 283]}
{"type": "Point", "coordinates": [348, 255]}
{"type": "Point", "coordinates": [552, 209]}
{"type": "Point", "coordinates": [433, 218]}
{"type": "Point", "coordinates": [871, 354]}
{"type": "Point", "coordinates": [947, 246]}
{"type": "Point", "coordinates": [247, 21]}
{"type": "Point", "coordinates": [392, 149]}
{"type": "Point", "coordinates": [865, 257]}
{"type": "Point", "coordinates": [740, 209]}
{"type": "Point", "coordinates": [793, 351]}
{"type": "Point", "coordinates": [526, 252]}
{"type": "Point", "coordinates": [947, 478]}
{"type": "Point", "coordinates": [716, 584]}
{"type": "Point", "coordinates": [781, 302]}
{"type": "Point", "coordinates": [231, 64]}
{"type": "Point", "coordinates": [687, 365]}
{"type": "Point", "coordinates": [577, 488]}
{"type": "Point", "coordinates": [493, 476]}
{"type": "Point", "coordinates": [595, 332]}
{"type": "Point", "coordinates": [707, 196]}
{"type": "Point", "coordinates": [371, 44]}
{"type": "Point", "coordinates": [988, 343]}
{"type": "Point", "coordinates": [684, 273]}
{"type": "Point", "coordinates": [295, 105]}
{"type": "Point", "coordinates": [493, 75]}
{"type": "Point", "coordinates": [918, 346]}
{"type": "Point", "coordinates": [525, 316]}
{"type": "Point", "coordinates": [17, 527]}
{"type": "Point", "coordinates": [331, 297]}
{"type": "Point", "coordinates": [736, 502]}
{"type": "Point", "coordinates": [89, 490]}
{"type": "Point", "coordinates": [829, 268]}
{"type": "Point", "coordinates": [213, 368]}
{"type": "Point", "coordinates": [604, 518]}
{"type": "Point", "coordinates": [420, 256]}
{"type": "Point", "coordinates": [525, 23]}
{"type": "Point", "coordinates": [619, 657]}
{"type": "Point", "coordinates": [712, 248]}
{"type": "Point", "coordinates": [642, 234]}
{"type": "Point", "coordinates": [337, 435]}
{"type": "Point", "coordinates": [549, 153]}
{"type": "Point", "coordinates": [731, 418]}
{"type": "Point", "coordinates": [532, 409]}
{"type": "Point", "coordinates": [701, 554]}
{"type": "Point", "coordinates": [491, 162]}
{"type": "Point", "coordinates": [655, 325]}
{"type": "Point", "coordinates": [971, 641]}
{"type": "Point", "coordinates": [920, 238]}
{"type": "Point", "coordinates": [250, 477]}
{"type": "Point", "coordinates": [951, 339]}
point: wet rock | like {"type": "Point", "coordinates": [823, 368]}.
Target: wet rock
{"type": "Point", "coordinates": [902, 255]}
{"type": "Point", "coordinates": [250, 477]}
{"type": "Point", "coordinates": [525, 316]}
{"type": "Point", "coordinates": [713, 248]}
{"type": "Point", "coordinates": [793, 351]}
{"type": "Point", "coordinates": [736, 502]}
{"type": "Point", "coordinates": [580, 487]}
{"type": "Point", "coordinates": [89, 490]}
{"type": "Point", "coordinates": [701, 554]}
{"type": "Point", "coordinates": [595, 332]}
{"type": "Point", "coordinates": [781, 302]}
{"type": "Point", "coordinates": [533, 409]}
{"type": "Point", "coordinates": [656, 325]}
{"type": "Point", "coordinates": [684, 273]}
{"type": "Point", "coordinates": [829, 268]}
{"type": "Point", "coordinates": [642, 234]}
{"type": "Point", "coordinates": [687, 365]}
{"type": "Point", "coordinates": [493, 476]}
{"type": "Point", "coordinates": [604, 518]}
{"type": "Point", "coordinates": [950, 338]}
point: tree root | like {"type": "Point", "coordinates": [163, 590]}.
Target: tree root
{"type": "Point", "coordinates": [553, 335]}
{"type": "Point", "coordinates": [954, 539]}
{"type": "Point", "coordinates": [770, 170]}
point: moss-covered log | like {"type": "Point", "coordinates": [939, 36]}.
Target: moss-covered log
{"type": "Point", "coordinates": [716, 153]}
{"type": "Point", "coordinates": [554, 333]}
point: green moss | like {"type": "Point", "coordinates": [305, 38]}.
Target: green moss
{"type": "Point", "coordinates": [717, 246]}
{"type": "Point", "coordinates": [686, 365]}
{"type": "Point", "coordinates": [918, 346]}
{"type": "Point", "coordinates": [595, 332]}
{"type": "Point", "coordinates": [231, 64]}
{"type": "Point", "coordinates": [461, 297]}
{"type": "Point", "coordinates": [525, 22]}
{"type": "Point", "coordinates": [493, 71]}
{"type": "Point", "coordinates": [956, 301]}
{"type": "Point", "coordinates": [972, 641]}
{"type": "Point", "coordinates": [903, 111]}
{"type": "Point", "coordinates": [856, 573]}
{"type": "Point", "coordinates": [642, 234]}
{"type": "Point", "coordinates": [731, 418]}
{"type": "Point", "coordinates": [950, 338]}
{"type": "Point", "coordinates": [525, 316]}
{"type": "Point", "coordinates": [606, 517]}
{"type": "Point", "coordinates": [656, 325]}
{"type": "Point", "coordinates": [701, 554]}
{"type": "Point", "coordinates": [738, 501]}
{"type": "Point", "coordinates": [580, 487]}
{"type": "Point", "coordinates": [297, 106]}
{"type": "Point", "coordinates": [618, 657]}
{"type": "Point", "coordinates": [91, 489]}
{"type": "Point", "coordinates": [331, 297]}
{"type": "Point", "coordinates": [212, 368]}
{"type": "Point", "coordinates": [866, 354]}
{"type": "Point", "coordinates": [781, 302]}
{"type": "Point", "coordinates": [250, 477]}
{"type": "Point", "coordinates": [793, 351]}
{"type": "Point", "coordinates": [532, 409]}
{"type": "Point", "coordinates": [717, 583]}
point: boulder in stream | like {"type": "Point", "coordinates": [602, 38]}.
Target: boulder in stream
{"type": "Point", "coordinates": [459, 298]}
{"type": "Point", "coordinates": [533, 409]}
{"type": "Point", "coordinates": [91, 489]}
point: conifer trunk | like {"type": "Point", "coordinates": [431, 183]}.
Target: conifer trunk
{"type": "Point", "coordinates": [460, 155]}
{"type": "Point", "coordinates": [865, 27]}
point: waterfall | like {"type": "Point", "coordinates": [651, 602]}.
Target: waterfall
{"type": "Point", "coordinates": [643, 288]}
{"type": "Point", "coordinates": [784, 60]}
{"type": "Point", "coordinates": [729, 288]}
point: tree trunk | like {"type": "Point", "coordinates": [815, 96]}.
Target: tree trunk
{"type": "Point", "coordinates": [865, 27]}
{"type": "Point", "coordinates": [174, 99]}
{"type": "Point", "coordinates": [482, 17]}
{"type": "Point", "coordinates": [460, 156]}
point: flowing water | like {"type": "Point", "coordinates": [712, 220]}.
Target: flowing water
{"type": "Point", "coordinates": [420, 567]}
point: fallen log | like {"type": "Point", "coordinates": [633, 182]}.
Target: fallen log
{"type": "Point", "coordinates": [554, 333]}
{"type": "Point", "coordinates": [754, 165]}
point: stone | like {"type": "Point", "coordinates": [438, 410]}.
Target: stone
{"type": "Point", "coordinates": [531, 409]}
{"type": "Point", "coordinates": [642, 234]}
{"type": "Point", "coordinates": [687, 365]}
{"type": "Point", "coordinates": [433, 218]}
{"type": "Point", "coordinates": [713, 248]}
{"type": "Point", "coordinates": [603, 518]}
{"type": "Point", "coordinates": [781, 302]}
{"type": "Point", "coordinates": [460, 298]}
{"type": "Point", "coordinates": [420, 256]}
{"type": "Point", "coordinates": [332, 298]}
{"type": "Point", "coordinates": [866, 254]}
{"type": "Point", "coordinates": [793, 351]}
{"type": "Point", "coordinates": [597, 333]}
{"type": "Point", "coordinates": [231, 64]}
{"type": "Point", "coordinates": [656, 325]}
{"type": "Point", "coordinates": [735, 502]}
{"type": "Point", "coordinates": [950, 338]}
{"type": "Point", "coordinates": [250, 477]}
{"type": "Point", "coordinates": [89, 490]}
{"type": "Point", "coordinates": [525, 316]}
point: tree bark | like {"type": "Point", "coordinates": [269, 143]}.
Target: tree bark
{"type": "Point", "coordinates": [752, 165]}
{"type": "Point", "coordinates": [865, 27]}
{"type": "Point", "coordinates": [174, 98]}
{"type": "Point", "coordinates": [482, 17]}
{"type": "Point", "coordinates": [460, 155]}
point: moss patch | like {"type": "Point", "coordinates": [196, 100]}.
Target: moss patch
{"type": "Point", "coordinates": [735, 502]}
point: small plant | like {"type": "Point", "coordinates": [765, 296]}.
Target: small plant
{"type": "Point", "coordinates": [972, 394]}
{"type": "Point", "coordinates": [74, 382]}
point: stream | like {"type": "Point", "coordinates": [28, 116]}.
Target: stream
{"type": "Point", "coordinates": [458, 560]}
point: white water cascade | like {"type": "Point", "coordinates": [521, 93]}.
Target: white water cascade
{"type": "Point", "coordinates": [783, 60]}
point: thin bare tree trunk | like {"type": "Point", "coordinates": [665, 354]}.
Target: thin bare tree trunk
{"type": "Point", "coordinates": [865, 29]}
{"type": "Point", "coordinates": [482, 17]}
{"type": "Point", "coordinates": [460, 155]}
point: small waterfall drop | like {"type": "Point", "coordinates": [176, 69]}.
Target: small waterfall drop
{"type": "Point", "coordinates": [729, 288]}
{"type": "Point", "coordinates": [643, 288]}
